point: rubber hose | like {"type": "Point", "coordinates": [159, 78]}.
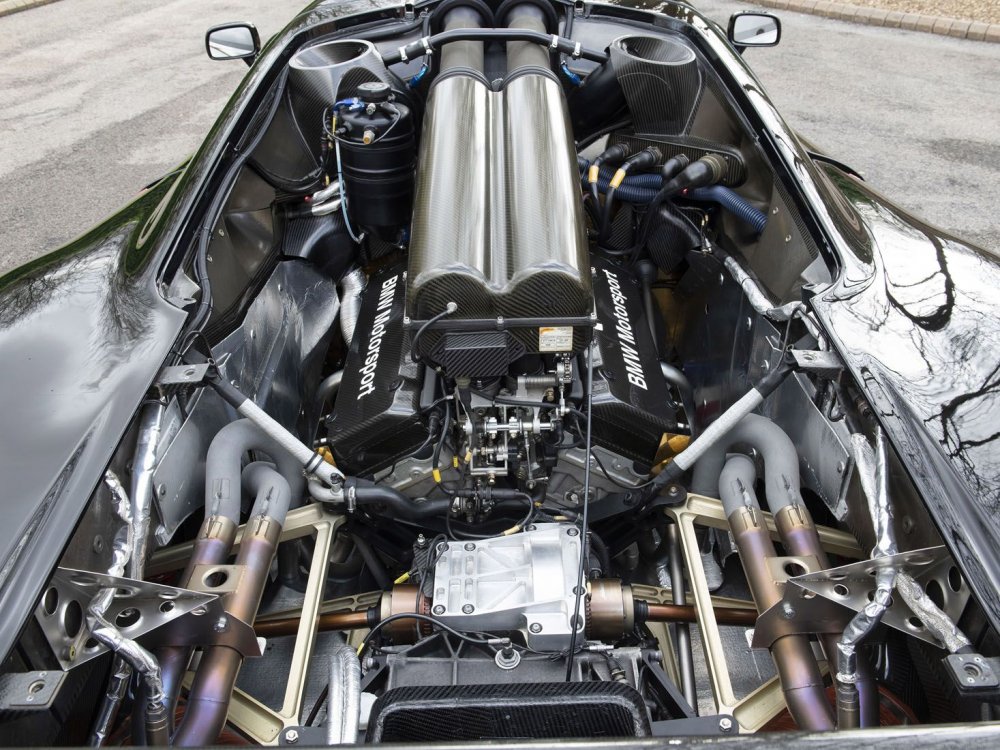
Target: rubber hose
{"type": "Point", "coordinates": [734, 203]}
{"type": "Point", "coordinates": [675, 377]}
{"type": "Point", "coordinates": [372, 562]}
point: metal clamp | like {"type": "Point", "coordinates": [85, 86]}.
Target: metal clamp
{"type": "Point", "coordinates": [183, 374]}
{"type": "Point", "coordinates": [824, 363]}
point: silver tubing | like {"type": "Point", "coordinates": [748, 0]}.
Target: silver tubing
{"type": "Point", "coordinates": [345, 697]}
{"type": "Point", "coordinates": [351, 287]}
{"type": "Point", "coordinates": [143, 464]}
{"type": "Point", "coordinates": [873, 472]}
{"type": "Point", "coordinates": [685, 658]}
{"type": "Point", "coordinates": [138, 658]}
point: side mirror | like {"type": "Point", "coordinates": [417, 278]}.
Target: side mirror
{"type": "Point", "coordinates": [753, 29]}
{"type": "Point", "coordinates": [233, 41]}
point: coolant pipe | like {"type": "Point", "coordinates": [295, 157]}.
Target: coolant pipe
{"type": "Point", "coordinates": [798, 671]}
{"type": "Point", "coordinates": [138, 659]}
{"type": "Point", "coordinates": [721, 427]}
{"type": "Point", "coordinates": [351, 287]}
{"type": "Point", "coordinates": [143, 463]}
{"type": "Point", "coordinates": [212, 689]}
{"type": "Point", "coordinates": [342, 715]}
{"type": "Point", "coordinates": [675, 377]}
{"type": "Point", "coordinates": [733, 202]}
{"type": "Point", "coordinates": [328, 389]}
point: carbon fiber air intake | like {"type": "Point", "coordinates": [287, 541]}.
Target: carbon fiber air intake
{"type": "Point", "coordinates": [497, 221]}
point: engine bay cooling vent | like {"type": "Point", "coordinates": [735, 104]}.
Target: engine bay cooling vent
{"type": "Point", "coordinates": [550, 710]}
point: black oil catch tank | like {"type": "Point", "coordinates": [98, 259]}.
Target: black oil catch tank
{"type": "Point", "coordinates": [378, 156]}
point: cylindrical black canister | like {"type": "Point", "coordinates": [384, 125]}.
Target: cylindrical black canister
{"type": "Point", "coordinates": [378, 157]}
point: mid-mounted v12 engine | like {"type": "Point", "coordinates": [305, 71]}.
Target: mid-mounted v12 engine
{"type": "Point", "coordinates": [518, 339]}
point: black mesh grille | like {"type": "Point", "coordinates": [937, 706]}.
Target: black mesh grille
{"type": "Point", "coordinates": [518, 711]}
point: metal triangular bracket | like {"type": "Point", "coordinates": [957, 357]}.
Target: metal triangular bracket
{"type": "Point", "coordinates": [853, 586]}
{"type": "Point", "coordinates": [138, 608]}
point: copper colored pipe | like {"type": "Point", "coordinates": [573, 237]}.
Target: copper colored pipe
{"type": "Point", "coordinates": [211, 547]}
{"type": "Point", "coordinates": [687, 613]}
{"type": "Point", "coordinates": [329, 621]}
{"type": "Point", "coordinates": [212, 690]}
{"type": "Point", "coordinates": [801, 680]}
{"type": "Point", "coordinates": [798, 534]}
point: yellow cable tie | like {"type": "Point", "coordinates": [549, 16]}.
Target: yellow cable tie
{"type": "Point", "coordinates": [403, 578]}
{"type": "Point", "coordinates": [361, 648]}
{"type": "Point", "coordinates": [454, 462]}
{"type": "Point", "coordinates": [468, 457]}
{"type": "Point", "coordinates": [618, 178]}
{"type": "Point", "coordinates": [594, 173]}
{"type": "Point", "coordinates": [511, 530]}
{"type": "Point", "coordinates": [436, 473]}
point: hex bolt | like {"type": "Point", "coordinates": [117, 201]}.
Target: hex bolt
{"type": "Point", "coordinates": [161, 490]}
{"type": "Point", "coordinates": [438, 609]}
{"type": "Point", "coordinates": [470, 547]}
{"type": "Point", "coordinates": [535, 627]}
{"type": "Point", "coordinates": [220, 625]}
{"type": "Point", "coordinates": [787, 611]}
{"type": "Point", "coordinates": [468, 609]}
{"type": "Point", "coordinates": [292, 736]}
{"type": "Point", "coordinates": [573, 531]}
{"type": "Point", "coordinates": [726, 724]}
{"type": "Point", "coordinates": [673, 490]}
{"type": "Point", "coordinates": [421, 541]}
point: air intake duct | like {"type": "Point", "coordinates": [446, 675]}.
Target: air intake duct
{"type": "Point", "coordinates": [653, 80]}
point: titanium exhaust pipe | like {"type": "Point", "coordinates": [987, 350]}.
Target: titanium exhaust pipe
{"type": "Point", "coordinates": [801, 681]}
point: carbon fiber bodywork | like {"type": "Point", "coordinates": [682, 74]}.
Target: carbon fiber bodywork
{"type": "Point", "coordinates": [661, 82]}
{"type": "Point", "coordinates": [508, 239]}
{"type": "Point", "coordinates": [631, 409]}
{"type": "Point", "coordinates": [376, 419]}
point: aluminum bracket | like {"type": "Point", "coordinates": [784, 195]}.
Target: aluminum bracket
{"type": "Point", "coordinates": [138, 609]}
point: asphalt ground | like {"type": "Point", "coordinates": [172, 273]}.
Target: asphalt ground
{"type": "Point", "coordinates": [917, 114]}
{"type": "Point", "coordinates": [100, 97]}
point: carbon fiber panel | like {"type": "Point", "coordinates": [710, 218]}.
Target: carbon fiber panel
{"type": "Point", "coordinates": [497, 225]}
{"type": "Point", "coordinates": [661, 82]}
{"type": "Point", "coordinates": [515, 711]}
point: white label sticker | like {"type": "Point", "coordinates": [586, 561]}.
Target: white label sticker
{"type": "Point", "coordinates": [555, 339]}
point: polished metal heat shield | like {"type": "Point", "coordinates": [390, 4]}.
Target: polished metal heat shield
{"type": "Point", "coordinates": [497, 222]}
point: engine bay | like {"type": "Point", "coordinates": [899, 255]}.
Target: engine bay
{"type": "Point", "coordinates": [506, 419]}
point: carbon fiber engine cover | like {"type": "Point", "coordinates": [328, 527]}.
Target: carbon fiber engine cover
{"type": "Point", "coordinates": [376, 418]}
{"type": "Point", "coordinates": [632, 407]}
{"type": "Point", "coordinates": [497, 222]}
